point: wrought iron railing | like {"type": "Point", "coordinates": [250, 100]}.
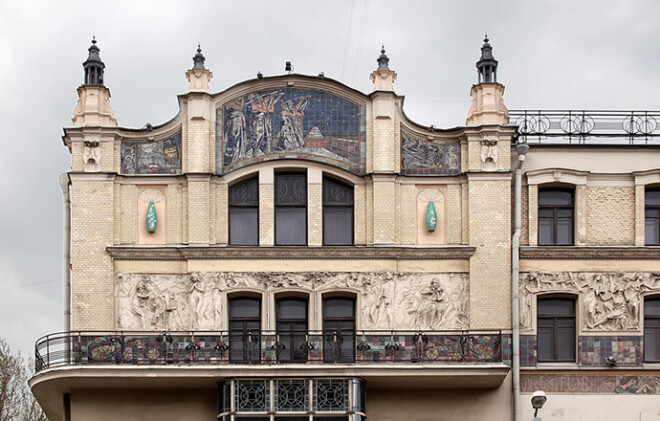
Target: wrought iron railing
{"type": "Point", "coordinates": [267, 347]}
{"type": "Point", "coordinates": [587, 126]}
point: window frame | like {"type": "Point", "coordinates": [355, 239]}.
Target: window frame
{"type": "Point", "coordinates": [647, 208]}
{"type": "Point", "coordinates": [234, 334]}
{"type": "Point", "coordinates": [255, 180]}
{"type": "Point", "coordinates": [305, 206]}
{"type": "Point", "coordinates": [337, 205]}
{"type": "Point", "coordinates": [555, 217]}
{"type": "Point", "coordinates": [555, 335]}
{"type": "Point", "coordinates": [292, 333]}
{"type": "Point", "coordinates": [338, 356]}
{"type": "Point", "coordinates": [647, 318]}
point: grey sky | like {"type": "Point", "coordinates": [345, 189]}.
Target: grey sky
{"type": "Point", "coordinates": [553, 54]}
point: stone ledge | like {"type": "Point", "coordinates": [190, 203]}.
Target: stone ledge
{"type": "Point", "coordinates": [589, 253]}
{"type": "Point", "coordinates": [288, 253]}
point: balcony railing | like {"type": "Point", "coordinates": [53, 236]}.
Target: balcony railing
{"type": "Point", "coordinates": [599, 127]}
{"type": "Point", "coordinates": [87, 348]}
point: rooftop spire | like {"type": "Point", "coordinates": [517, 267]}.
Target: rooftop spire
{"type": "Point", "coordinates": [487, 65]}
{"type": "Point", "coordinates": [199, 59]}
{"type": "Point", "coordinates": [93, 66]}
{"type": "Point", "coordinates": [383, 60]}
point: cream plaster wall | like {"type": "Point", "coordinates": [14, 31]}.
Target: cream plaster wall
{"type": "Point", "coordinates": [596, 407]}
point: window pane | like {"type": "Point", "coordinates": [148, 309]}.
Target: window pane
{"type": "Point", "coordinates": [244, 307]}
{"type": "Point", "coordinates": [546, 231]}
{"type": "Point", "coordinates": [652, 230]}
{"type": "Point", "coordinates": [337, 226]}
{"type": "Point", "coordinates": [292, 308]}
{"type": "Point", "coordinates": [565, 231]}
{"type": "Point", "coordinates": [555, 197]}
{"type": "Point", "coordinates": [566, 344]}
{"type": "Point", "coordinates": [290, 189]}
{"type": "Point", "coordinates": [246, 194]}
{"type": "Point", "coordinates": [290, 226]}
{"type": "Point", "coordinates": [337, 193]}
{"type": "Point", "coordinates": [651, 344]}
{"type": "Point", "coordinates": [339, 307]}
{"type": "Point", "coordinates": [545, 344]}
{"type": "Point", "coordinates": [556, 307]}
{"type": "Point", "coordinates": [652, 307]}
{"type": "Point", "coordinates": [243, 226]}
{"type": "Point", "coordinates": [652, 197]}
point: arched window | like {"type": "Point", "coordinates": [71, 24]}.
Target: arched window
{"type": "Point", "coordinates": [292, 329]}
{"type": "Point", "coordinates": [556, 329]}
{"type": "Point", "coordinates": [337, 213]}
{"type": "Point", "coordinates": [652, 330]}
{"type": "Point", "coordinates": [291, 209]}
{"type": "Point", "coordinates": [245, 329]}
{"type": "Point", "coordinates": [555, 216]}
{"type": "Point", "coordinates": [339, 329]}
{"type": "Point", "coordinates": [652, 217]}
{"type": "Point", "coordinates": [244, 213]}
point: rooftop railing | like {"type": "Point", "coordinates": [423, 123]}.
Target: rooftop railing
{"type": "Point", "coordinates": [86, 348]}
{"type": "Point", "coordinates": [599, 127]}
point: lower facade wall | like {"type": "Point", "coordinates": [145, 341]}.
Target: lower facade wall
{"type": "Point", "coordinates": [576, 407]}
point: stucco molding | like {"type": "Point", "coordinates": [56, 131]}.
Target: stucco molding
{"type": "Point", "coordinates": [590, 253]}
{"type": "Point", "coordinates": [286, 253]}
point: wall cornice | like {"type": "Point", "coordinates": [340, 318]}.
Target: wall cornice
{"type": "Point", "coordinates": [590, 253]}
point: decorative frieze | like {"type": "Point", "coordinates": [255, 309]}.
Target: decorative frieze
{"type": "Point", "coordinates": [610, 301]}
{"type": "Point", "coordinates": [436, 301]}
{"type": "Point", "coordinates": [590, 384]}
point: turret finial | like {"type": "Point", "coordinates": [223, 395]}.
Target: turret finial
{"type": "Point", "coordinates": [93, 65]}
{"type": "Point", "coordinates": [383, 60]}
{"type": "Point", "coordinates": [487, 65]}
{"type": "Point", "coordinates": [198, 59]}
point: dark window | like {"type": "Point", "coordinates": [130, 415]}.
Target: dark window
{"type": "Point", "coordinates": [339, 329]}
{"type": "Point", "coordinates": [652, 217]}
{"type": "Point", "coordinates": [291, 209]}
{"type": "Point", "coordinates": [652, 330]}
{"type": "Point", "coordinates": [244, 213]}
{"type": "Point", "coordinates": [337, 213]}
{"type": "Point", "coordinates": [555, 217]}
{"type": "Point", "coordinates": [244, 329]}
{"type": "Point", "coordinates": [556, 329]}
{"type": "Point", "coordinates": [292, 329]}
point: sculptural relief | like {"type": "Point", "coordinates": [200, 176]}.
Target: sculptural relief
{"type": "Point", "coordinates": [489, 155]}
{"type": "Point", "coordinates": [196, 301]}
{"type": "Point", "coordinates": [610, 301]}
{"type": "Point", "coordinates": [92, 156]}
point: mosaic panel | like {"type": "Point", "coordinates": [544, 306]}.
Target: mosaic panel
{"type": "Point", "coordinates": [506, 349]}
{"type": "Point", "coordinates": [590, 384]}
{"type": "Point", "coordinates": [420, 157]}
{"type": "Point", "coordinates": [158, 157]}
{"type": "Point", "coordinates": [638, 385]}
{"type": "Point", "coordinates": [527, 350]}
{"type": "Point", "coordinates": [291, 123]}
{"type": "Point", "coordinates": [593, 350]}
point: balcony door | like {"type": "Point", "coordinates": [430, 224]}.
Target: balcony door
{"type": "Point", "coordinates": [339, 329]}
{"type": "Point", "coordinates": [245, 330]}
{"type": "Point", "coordinates": [292, 329]}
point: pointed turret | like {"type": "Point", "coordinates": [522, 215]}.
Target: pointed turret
{"type": "Point", "coordinates": [199, 76]}
{"type": "Point", "coordinates": [383, 78]}
{"type": "Point", "coordinates": [487, 95]}
{"type": "Point", "coordinates": [93, 108]}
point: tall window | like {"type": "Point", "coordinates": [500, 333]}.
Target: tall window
{"type": "Point", "coordinates": [244, 329]}
{"type": "Point", "coordinates": [244, 213]}
{"type": "Point", "coordinates": [291, 209]}
{"type": "Point", "coordinates": [337, 213]}
{"type": "Point", "coordinates": [292, 329]}
{"type": "Point", "coordinates": [556, 329]}
{"type": "Point", "coordinates": [652, 330]}
{"type": "Point", "coordinates": [339, 329]}
{"type": "Point", "coordinates": [555, 217]}
{"type": "Point", "coordinates": [652, 217]}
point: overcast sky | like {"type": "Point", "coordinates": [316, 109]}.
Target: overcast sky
{"type": "Point", "coordinates": [600, 54]}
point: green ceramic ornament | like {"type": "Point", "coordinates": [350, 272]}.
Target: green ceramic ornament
{"type": "Point", "coordinates": [431, 218]}
{"type": "Point", "coordinates": [152, 218]}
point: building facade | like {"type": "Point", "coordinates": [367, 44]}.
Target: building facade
{"type": "Point", "coordinates": [293, 249]}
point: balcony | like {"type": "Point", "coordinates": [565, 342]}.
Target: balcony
{"type": "Point", "coordinates": [224, 348]}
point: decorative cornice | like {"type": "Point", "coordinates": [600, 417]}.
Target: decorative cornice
{"type": "Point", "coordinates": [289, 253]}
{"type": "Point", "coordinates": [590, 253]}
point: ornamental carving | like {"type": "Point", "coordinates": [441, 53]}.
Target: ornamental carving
{"type": "Point", "coordinates": [489, 155]}
{"type": "Point", "coordinates": [197, 300]}
{"type": "Point", "coordinates": [92, 156]}
{"type": "Point", "coordinates": [610, 301]}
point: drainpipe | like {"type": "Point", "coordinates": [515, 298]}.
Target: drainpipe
{"type": "Point", "coordinates": [522, 149]}
{"type": "Point", "coordinates": [64, 185]}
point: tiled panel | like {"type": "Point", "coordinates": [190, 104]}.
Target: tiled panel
{"type": "Point", "coordinates": [593, 350]}
{"type": "Point", "coordinates": [420, 157]}
{"type": "Point", "coordinates": [158, 157]}
{"type": "Point", "coordinates": [527, 350]}
{"type": "Point", "coordinates": [506, 349]}
{"type": "Point", "coordinates": [290, 123]}
{"type": "Point", "coordinates": [590, 384]}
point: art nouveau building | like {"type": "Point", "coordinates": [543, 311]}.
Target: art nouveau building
{"type": "Point", "coordinates": [293, 249]}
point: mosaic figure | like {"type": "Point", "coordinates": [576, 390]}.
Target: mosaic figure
{"type": "Point", "coordinates": [154, 157]}
{"type": "Point", "coordinates": [422, 157]}
{"type": "Point", "coordinates": [291, 134]}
